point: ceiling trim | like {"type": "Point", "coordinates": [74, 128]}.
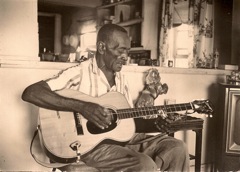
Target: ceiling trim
{"type": "Point", "coordinates": [75, 3]}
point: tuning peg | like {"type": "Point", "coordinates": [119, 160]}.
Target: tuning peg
{"type": "Point", "coordinates": [209, 115]}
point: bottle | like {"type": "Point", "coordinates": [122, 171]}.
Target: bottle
{"type": "Point", "coordinates": [43, 54]}
{"type": "Point", "coordinates": [216, 59]}
{"type": "Point", "coordinates": [121, 16]}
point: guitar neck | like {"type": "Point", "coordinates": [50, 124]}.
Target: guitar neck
{"type": "Point", "coordinates": [148, 111]}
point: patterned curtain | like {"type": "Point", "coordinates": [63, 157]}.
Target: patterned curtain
{"type": "Point", "coordinates": [165, 31]}
{"type": "Point", "coordinates": [200, 20]}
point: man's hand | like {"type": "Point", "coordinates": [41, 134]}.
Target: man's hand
{"type": "Point", "coordinates": [145, 100]}
{"type": "Point", "coordinates": [164, 124]}
{"type": "Point", "coordinates": [97, 114]}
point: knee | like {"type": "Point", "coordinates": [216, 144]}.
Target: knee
{"type": "Point", "coordinates": [180, 147]}
{"type": "Point", "coordinates": [172, 147]}
{"type": "Point", "coordinates": [146, 164]}
{"type": "Point", "coordinates": [175, 156]}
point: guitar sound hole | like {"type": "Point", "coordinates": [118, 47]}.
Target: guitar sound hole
{"type": "Point", "coordinates": [93, 129]}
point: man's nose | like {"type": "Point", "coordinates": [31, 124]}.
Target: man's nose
{"type": "Point", "coordinates": [124, 56]}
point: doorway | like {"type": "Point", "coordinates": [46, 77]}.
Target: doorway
{"type": "Point", "coordinates": [46, 29]}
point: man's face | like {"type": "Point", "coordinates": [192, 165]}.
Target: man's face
{"type": "Point", "coordinates": [117, 51]}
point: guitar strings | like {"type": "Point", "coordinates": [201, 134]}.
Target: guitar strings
{"type": "Point", "coordinates": [149, 111]}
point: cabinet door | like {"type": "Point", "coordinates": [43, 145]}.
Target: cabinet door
{"type": "Point", "coordinates": [233, 122]}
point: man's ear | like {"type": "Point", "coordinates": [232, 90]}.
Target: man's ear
{"type": "Point", "coordinates": [101, 47]}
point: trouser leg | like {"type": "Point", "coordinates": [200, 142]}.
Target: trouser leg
{"type": "Point", "coordinates": [118, 158]}
{"type": "Point", "coordinates": [164, 153]}
{"type": "Point", "coordinates": [168, 153]}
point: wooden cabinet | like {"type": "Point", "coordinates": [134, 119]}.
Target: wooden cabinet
{"type": "Point", "coordinates": [142, 26]}
{"type": "Point", "coordinates": [228, 129]}
{"type": "Point", "coordinates": [126, 13]}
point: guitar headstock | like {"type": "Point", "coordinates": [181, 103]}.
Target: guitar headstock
{"type": "Point", "coordinates": [203, 106]}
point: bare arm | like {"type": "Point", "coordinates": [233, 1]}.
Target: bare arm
{"type": "Point", "coordinates": [41, 95]}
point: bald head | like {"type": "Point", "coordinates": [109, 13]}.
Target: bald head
{"type": "Point", "coordinates": [113, 45]}
{"type": "Point", "coordinates": [106, 33]}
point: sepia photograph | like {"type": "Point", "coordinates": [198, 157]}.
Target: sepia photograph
{"type": "Point", "coordinates": [119, 85]}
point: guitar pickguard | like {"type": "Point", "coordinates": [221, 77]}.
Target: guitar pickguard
{"type": "Point", "coordinates": [93, 129]}
{"type": "Point", "coordinates": [78, 123]}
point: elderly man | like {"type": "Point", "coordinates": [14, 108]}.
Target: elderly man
{"type": "Point", "coordinates": [96, 77]}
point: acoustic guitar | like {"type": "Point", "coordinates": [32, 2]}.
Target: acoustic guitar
{"type": "Point", "coordinates": [65, 136]}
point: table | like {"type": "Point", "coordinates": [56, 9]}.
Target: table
{"type": "Point", "coordinates": [196, 125]}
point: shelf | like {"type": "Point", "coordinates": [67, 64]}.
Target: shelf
{"type": "Point", "coordinates": [36, 64]}
{"type": "Point", "coordinates": [127, 23]}
{"type": "Point", "coordinates": [130, 22]}
{"type": "Point", "coordinates": [137, 49]}
{"type": "Point", "coordinates": [114, 4]}
{"type": "Point", "coordinates": [126, 13]}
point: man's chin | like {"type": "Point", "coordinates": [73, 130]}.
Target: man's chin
{"type": "Point", "coordinates": [118, 68]}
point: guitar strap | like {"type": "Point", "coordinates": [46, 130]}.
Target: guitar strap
{"type": "Point", "coordinates": [45, 164]}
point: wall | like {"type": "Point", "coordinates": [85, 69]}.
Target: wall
{"type": "Point", "coordinates": [223, 24]}
{"type": "Point", "coordinates": [150, 26]}
{"type": "Point", "coordinates": [18, 28]}
{"type": "Point", "coordinates": [236, 33]}
{"type": "Point", "coordinates": [19, 119]}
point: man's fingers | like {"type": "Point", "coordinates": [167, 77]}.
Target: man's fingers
{"type": "Point", "coordinates": [97, 115]}
{"type": "Point", "coordinates": [101, 119]}
{"type": "Point", "coordinates": [104, 116]}
{"type": "Point", "coordinates": [96, 121]}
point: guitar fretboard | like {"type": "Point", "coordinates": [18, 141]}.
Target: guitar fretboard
{"type": "Point", "coordinates": [148, 111]}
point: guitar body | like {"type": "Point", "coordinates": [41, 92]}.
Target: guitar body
{"type": "Point", "coordinates": [65, 136]}
{"type": "Point", "coordinates": [62, 137]}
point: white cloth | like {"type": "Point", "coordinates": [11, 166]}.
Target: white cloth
{"type": "Point", "coordinates": [87, 78]}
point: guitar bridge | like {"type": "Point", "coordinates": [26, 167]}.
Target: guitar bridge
{"type": "Point", "coordinates": [75, 147]}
